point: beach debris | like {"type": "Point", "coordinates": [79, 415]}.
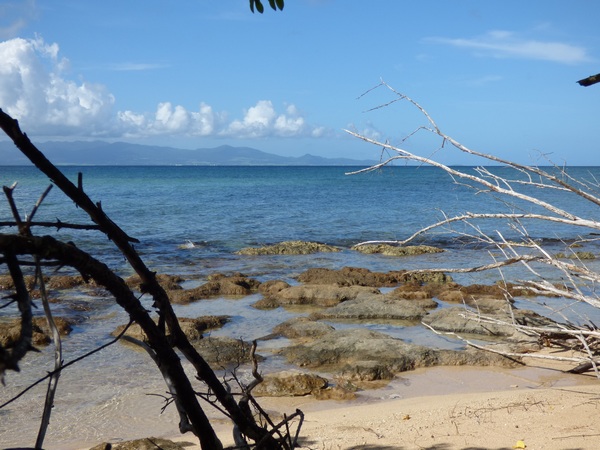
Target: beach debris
{"type": "Point", "coordinates": [520, 444]}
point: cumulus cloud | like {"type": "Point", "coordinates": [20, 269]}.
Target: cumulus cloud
{"type": "Point", "coordinates": [262, 120]}
{"type": "Point", "coordinates": [506, 44]}
{"type": "Point", "coordinates": [36, 89]}
{"type": "Point", "coordinates": [169, 119]}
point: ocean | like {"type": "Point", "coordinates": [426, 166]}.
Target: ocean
{"type": "Point", "coordinates": [191, 220]}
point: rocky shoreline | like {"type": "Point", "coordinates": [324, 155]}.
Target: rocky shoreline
{"type": "Point", "coordinates": [330, 362]}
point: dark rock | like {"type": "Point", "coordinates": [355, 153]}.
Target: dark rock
{"type": "Point", "coordinates": [321, 295]}
{"type": "Point", "coordinates": [576, 256]}
{"type": "Point", "coordinates": [289, 384]}
{"type": "Point", "coordinates": [412, 291]}
{"type": "Point", "coordinates": [366, 371]}
{"type": "Point", "coordinates": [302, 327]}
{"type": "Point", "coordinates": [150, 443]}
{"type": "Point", "coordinates": [219, 284]}
{"type": "Point", "coordinates": [340, 348]}
{"type": "Point", "coordinates": [222, 351]}
{"type": "Point", "coordinates": [482, 296]}
{"type": "Point", "coordinates": [377, 306]}
{"type": "Point", "coordinates": [352, 276]}
{"type": "Point", "coordinates": [338, 393]}
{"type": "Point", "coordinates": [346, 351]}
{"type": "Point", "coordinates": [65, 281]}
{"type": "Point", "coordinates": [10, 331]}
{"type": "Point", "coordinates": [396, 250]}
{"type": "Point", "coordinates": [462, 321]}
{"type": "Point", "coordinates": [168, 282]}
{"type": "Point", "coordinates": [266, 303]}
{"type": "Point", "coordinates": [272, 287]}
{"type": "Point", "coordinates": [289, 248]}
{"type": "Point", "coordinates": [6, 282]}
{"type": "Point", "coordinates": [192, 328]}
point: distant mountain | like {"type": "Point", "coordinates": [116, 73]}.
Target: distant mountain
{"type": "Point", "coordinates": [124, 154]}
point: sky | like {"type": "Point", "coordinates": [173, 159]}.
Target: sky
{"type": "Point", "coordinates": [499, 76]}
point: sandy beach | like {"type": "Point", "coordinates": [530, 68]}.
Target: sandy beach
{"type": "Point", "coordinates": [454, 408]}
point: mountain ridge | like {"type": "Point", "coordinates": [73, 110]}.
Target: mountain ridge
{"type": "Point", "coordinates": [127, 154]}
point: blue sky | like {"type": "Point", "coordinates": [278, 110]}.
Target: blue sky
{"type": "Point", "coordinates": [499, 76]}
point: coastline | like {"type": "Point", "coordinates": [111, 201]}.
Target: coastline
{"type": "Point", "coordinates": [443, 408]}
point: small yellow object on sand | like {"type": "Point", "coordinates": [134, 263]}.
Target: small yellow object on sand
{"type": "Point", "coordinates": [520, 444]}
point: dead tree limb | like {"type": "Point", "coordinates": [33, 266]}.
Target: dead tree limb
{"type": "Point", "coordinates": [517, 190]}
{"type": "Point", "coordinates": [47, 247]}
{"type": "Point", "coordinates": [149, 285]}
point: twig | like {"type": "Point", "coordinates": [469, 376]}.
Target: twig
{"type": "Point", "coordinates": [53, 381]}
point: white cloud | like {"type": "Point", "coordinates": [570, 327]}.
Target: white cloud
{"type": "Point", "coordinates": [506, 44]}
{"type": "Point", "coordinates": [169, 120]}
{"type": "Point", "coordinates": [262, 120]}
{"type": "Point", "coordinates": [33, 90]}
{"type": "Point", "coordinates": [36, 90]}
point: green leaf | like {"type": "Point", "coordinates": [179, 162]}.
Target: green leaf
{"type": "Point", "coordinates": [280, 4]}
{"type": "Point", "coordinates": [259, 6]}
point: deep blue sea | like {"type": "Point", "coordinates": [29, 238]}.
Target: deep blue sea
{"type": "Point", "coordinates": [192, 220]}
{"type": "Point", "coordinates": [223, 209]}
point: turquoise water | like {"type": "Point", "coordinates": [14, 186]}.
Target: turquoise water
{"type": "Point", "coordinates": [223, 209]}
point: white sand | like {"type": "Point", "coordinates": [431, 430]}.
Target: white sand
{"type": "Point", "coordinates": [439, 408]}
{"type": "Point", "coordinates": [483, 408]}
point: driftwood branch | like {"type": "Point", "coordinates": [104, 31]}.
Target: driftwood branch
{"type": "Point", "coordinates": [518, 190]}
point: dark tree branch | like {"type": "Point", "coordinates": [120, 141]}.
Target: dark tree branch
{"type": "Point", "coordinates": [149, 285]}
{"type": "Point", "coordinates": [49, 248]}
{"type": "Point", "coordinates": [58, 225]}
{"type": "Point", "coordinates": [10, 358]}
{"type": "Point", "coordinates": [589, 80]}
{"type": "Point", "coordinates": [53, 382]}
